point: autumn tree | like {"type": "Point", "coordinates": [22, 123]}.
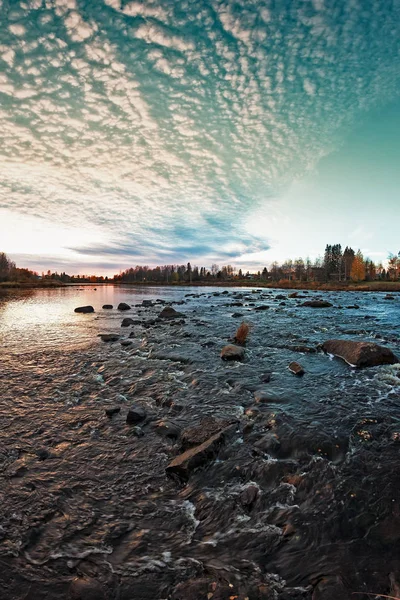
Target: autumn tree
{"type": "Point", "coordinates": [358, 267]}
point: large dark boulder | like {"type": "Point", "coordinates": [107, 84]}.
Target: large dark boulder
{"type": "Point", "coordinates": [107, 306]}
{"type": "Point", "coordinates": [123, 306]}
{"type": "Point", "coordinates": [136, 414]}
{"type": "Point", "coordinates": [360, 354]}
{"type": "Point", "coordinates": [127, 322]}
{"type": "Point", "coordinates": [317, 304]}
{"type": "Point", "coordinates": [84, 309]}
{"type": "Point", "coordinates": [170, 313]}
{"type": "Point", "coordinates": [109, 337]}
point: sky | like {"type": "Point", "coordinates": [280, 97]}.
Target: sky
{"type": "Point", "coordinates": [210, 131]}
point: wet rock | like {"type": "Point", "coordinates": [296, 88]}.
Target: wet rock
{"type": "Point", "coordinates": [360, 354]}
{"type": "Point", "coordinates": [136, 414]}
{"type": "Point", "coordinates": [263, 307]}
{"type": "Point", "coordinates": [127, 322]}
{"type": "Point", "coordinates": [280, 297]}
{"type": "Point", "coordinates": [195, 457]}
{"type": "Point", "coordinates": [296, 369]}
{"type": "Point", "coordinates": [236, 315]}
{"type": "Point", "coordinates": [353, 306]}
{"type": "Point", "coordinates": [107, 306]}
{"type": "Point", "coordinates": [86, 589]}
{"type": "Point", "coordinates": [249, 496]}
{"type": "Point", "coordinates": [167, 429]}
{"type": "Point", "coordinates": [84, 309]}
{"type": "Point", "coordinates": [389, 297]}
{"type": "Point", "coordinates": [266, 377]}
{"type": "Point", "coordinates": [109, 337]}
{"type": "Point", "coordinates": [302, 349]}
{"type": "Point", "coordinates": [179, 357]}
{"type": "Point", "coordinates": [317, 304]}
{"type": "Point", "coordinates": [265, 396]}
{"type": "Point", "coordinates": [268, 443]}
{"type": "Point", "coordinates": [196, 435]}
{"type": "Point", "coordinates": [126, 343]}
{"type": "Point", "coordinates": [232, 352]}
{"type": "Point", "coordinates": [123, 306]}
{"type": "Point", "coordinates": [293, 295]}
{"type": "Point", "coordinates": [330, 588]}
{"type": "Point", "coordinates": [112, 410]}
{"type": "Point", "coordinates": [169, 313]}
{"type": "Point", "coordinates": [147, 303]}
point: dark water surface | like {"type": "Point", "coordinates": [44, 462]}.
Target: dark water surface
{"type": "Point", "coordinates": [299, 501]}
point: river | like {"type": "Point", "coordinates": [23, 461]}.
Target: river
{"type": "Point", "coordinates": [300, 501]}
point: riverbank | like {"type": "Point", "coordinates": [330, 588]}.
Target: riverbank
{"type": "Point", "coordinates": [10, 285]}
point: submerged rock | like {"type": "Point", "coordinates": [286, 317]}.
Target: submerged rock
{"type": "Point", "coordinates": [317, 304]}
{"type": "Point", "coordinates": [296, 369]}
{"type": "Point", "coordinates": [109, 337]}
{"type": "Point", "coordinates": [136, 414]}
{"type": "Point", "coordinates": [169, 313]}
{"type": "Point", "coordinates": [123, 306]}
{"type": "Point", "coordinates": [127, 322]}
{"type": "Point", "coordinates": [84, 309]}
{"type": "Point", "coordinates": [360, 354]}
{"type": "Point", "coordinates": [232, 352]}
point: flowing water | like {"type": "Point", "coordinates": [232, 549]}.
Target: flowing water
{"type": "Point", "coordinates": [299, 501]}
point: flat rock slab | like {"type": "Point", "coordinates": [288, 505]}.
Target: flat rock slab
{"type": "Point", "coordinates": [317, 304]}
{"type": "Point", "coordinates": [84, 309]}
{"type": "Point", "coordinates": [195, 457]}
{"type": "Point", "coordinates": [232, 352]}
{"type": "Point", "coordinates": [198, 434]}
{"type": "Point", "coordinates": [360, 354]}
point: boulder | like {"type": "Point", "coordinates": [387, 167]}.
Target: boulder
{"type": "Point", "coordinates": [193, 458]}
{"type": "Point", "coordinates": [107, 306]}
{"type": "Point", "coordinates": [232, 352]}
{"type": "Point", "coordinates": [360, 354]}
{"type": "Point", "coordinates": [280, 297]}
{"type": "Point", "coordinates": [198, 434]}
{"type": "Point", "coordinates": [293, 295]}
{"type": "Point", "coordinates": [84, 309]}
{"type": "Point", "coordinates": [147, 303]}
{"type": "Point", "coordinates": [296, 369]}
{"type": "Point", "coordinates": [126, 343]}
{"type": "Point", "coordinates": [136, 414]}
{"type": "Point", "coordinates": [249, 496]}
{"type": "Point", "coordinates": [123, 306]}
{"type": "Point", "coordinates": [86, 589]}
{"type": "Point", "coordinates": [127, 322]}
{"type": "Point", "coordinates": [262, 307]}
{"type": "Point", "coordinates": [167, 429]}
{"type": "Point", "coordinates": [317, 304]}
{"type": "Point", "coordinates": [169, 313]}
{"type": "Point", "coordinates": [109, 337]}
{"type": "Point", "coordinates": [389, 297]}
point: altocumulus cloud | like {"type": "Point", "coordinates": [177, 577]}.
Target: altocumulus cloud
{"type": "Point", "coordinates": [162, 125]}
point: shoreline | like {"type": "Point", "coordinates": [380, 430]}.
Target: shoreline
{"type": "Point", "coordinates": [367, 286]}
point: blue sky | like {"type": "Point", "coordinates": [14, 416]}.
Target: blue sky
{"type": "Point", "coordinates": [211, 131]}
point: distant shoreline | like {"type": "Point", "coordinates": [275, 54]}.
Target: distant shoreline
{"type": "Point", "coordinates": [366, 286]}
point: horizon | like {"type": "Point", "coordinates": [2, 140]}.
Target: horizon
{"type": "Point", "coordinates": [135, 133]}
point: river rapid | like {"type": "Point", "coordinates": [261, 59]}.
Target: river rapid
{"type": "Point", "coordinates": [299, 501]}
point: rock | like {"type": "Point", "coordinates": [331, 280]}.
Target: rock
{"type": "Point", "coordinates": [266, 377]}
{"type": "Point", "coordinates": [293, 295]}
{"type": "Point", "coordinates": [263, 307]}
{"type": "Point", "coordinates": [136, 414]}
{"type": "Point", "coordinates": [126, 343]}
{"type": "Point", "coordinates": [109, 337]}
{"type": "Point", "coordinates": [123, 306]}
{"type": "Point", "coordinates": [147, 303]}
{"type": "Point", "coordinates": [249, 496]}
{"type": "Point", "coordinates": [85, 588]}
{"type": "Point", "coordinates": [360, 354]}
{"type": "Point", "coordinates": [196, 435]}
{"type": "Point", "coordinates": [232, 352]}
{"type": "Point", "coordinates": [127, 322]}
{"type": "Point", "coordinates": [112, 410]}
{"type": "Point", "coordinates": [296, 369]}
{"type": "Point", "coordinates": [317, 304]}
{"type": "Point", "coordinates": [167, 429]}
{"type": "Point", "coordinates": [353, 306]}
{"type": "Point", "coordinates": [303, 349]}
{"type": "Point", "coordinates": [193, 458]}
{"type": "Point", "coordinates": [169, 313]}
{"type": "Point", "coordinates": [280, 297]}
{"type": "Point", "coordinates": [265, 396]}
{"type": "Point", "coordinates": [389, 297]}
{"type": "Point", "coordinates": [268, 443]}
{"type": "Point", "coordinates": [236, 315]}
{"type": "Point", "coordinates": [84, 309]}
{"type": "Point", "coordinates": [107, 306]}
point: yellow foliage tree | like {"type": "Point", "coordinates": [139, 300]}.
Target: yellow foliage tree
{"type": "Point", "coordinates": [357, 272]}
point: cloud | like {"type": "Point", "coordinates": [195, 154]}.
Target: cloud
{"type": "Point", "coordinates": [163, 127]}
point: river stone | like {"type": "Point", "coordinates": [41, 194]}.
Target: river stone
{"type": "Point", "coordinates": [249, 496]}
{"type": "Point", "coordinates": [136, 414]}
{"type": "Point", "coordinates": [109, 337]}
{"type": "Point", "coordinates": [107, 306]}
{"type": "Point", "coordinates": [197, 434]}
{"type": "Point", "coordinates": [232, 352]}
{"type": "Point", "coordinates": [389, 297]}
{"type": "Point", "coordinates": [112, 410]}
{"type": "Point", "coordinates": [293, 295]}
{"type": "Point", "coordinates": [147, 303]}
{"type": "Point", "coordinates": [169, 313]}
{"type": "Point", "coordinates": [280, 297]}
{"type": "Point", "coordinates": [296, 369]}
{"type": "Point", "coordinates": [262, 307]}
{"type": "Point", "coordinates": [86, 589]}
{"type": "Point", "coordinates": [185, 463]}
{"type": "Point", "coordinates": [126, 343]}
{"type": "Point", "coordinates": [317, 304]}
{"type": "Point", "coordinates": [127, 321]}
{"type": "Point", "coordinates": [360, 354]}
{"type": "Point", "coordinates": [123, 306]}
{"type": "Point", "coordinates": [84, 309]}
{"type": "Point", "coordinates": [167, 429]}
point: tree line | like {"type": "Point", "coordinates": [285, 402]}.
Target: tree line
{"type": "Point", "coordinates": [336, 265]}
